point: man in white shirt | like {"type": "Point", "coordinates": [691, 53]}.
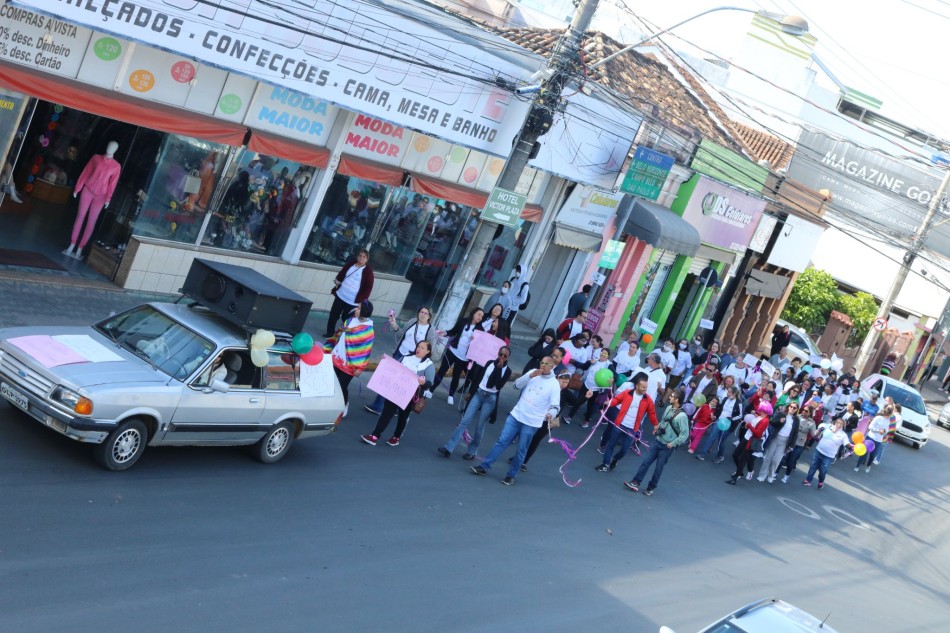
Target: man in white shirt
{"type": "Point", "coordinates": [540, 400]}
{"type": "Point", "coordinates": [738, 370]}
{"type": "Point", "coordinates": [667, 357]}
{"type": "Point", "coordinates": [781, 360]}
{"type": "Point", "coordinates": [656, 376]}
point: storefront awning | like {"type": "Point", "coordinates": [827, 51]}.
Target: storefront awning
{"type": "Point", "coordinates": [107, 103]}
{"type": "Point", "coordinates": [661, 228]}
{"type": "Point", "coordinates": [374, 172]}
{"type": "Point", "coordinates": [532, 213]}
{"type": "Point", "coordinates": [578, 239]}
{"type": "Point", "coordinates": [273, 145]}
{"type": "Point", "coordinates": [449, 192]}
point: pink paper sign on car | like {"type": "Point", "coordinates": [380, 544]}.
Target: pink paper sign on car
{"type": "Point", "coordinates": [47, 351]}
{"type": "Point", "coordinates": [394, 381]}
{"type": "Point", "coordinates": [484, 347]}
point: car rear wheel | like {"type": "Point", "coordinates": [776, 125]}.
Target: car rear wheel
{"type": "Point", "coordinates": [123, 447]}
{"type": "Point", "coordinates": [274, 446]}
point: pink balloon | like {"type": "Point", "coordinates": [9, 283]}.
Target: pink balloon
{"type": "Point", "coordinates": [567, 357]}
{"type": "Point", "coordinates": [314, 356]}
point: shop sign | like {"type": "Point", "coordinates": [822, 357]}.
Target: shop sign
{"type": "Point", "coordinates": [158, 76]}
{"type": "Point", "coordinates": [41, 42]}
{"type": "Point", "coordinates": [376, 139]}
{"type": "Point", "coordinates": [594, 317]}
{"type": "Point", "coordinates": [10, 112]}
{"type": "Point", "coordinates": [706, 324]}
{"type": "Point", "coordinates": [291, 114]}
{"type": "Point", "coordinates": [589, 209]}
{"type": "Point", "coordinates": [725, 217]}
{"type": "Point", "coordinates": [377, 60]}
{"type": "Point", "coordinates": [611, 255]}
{"type": "Point", "coordinates": [598, 278]}
{"type": "Point", "coordinates": [760, 240]}
{"type": "Point", "coordinates": [504, 207]}
{"type": "Point", "coordinates": [647, 326]}
{"type": "Point", "coordinates": [647, 173]}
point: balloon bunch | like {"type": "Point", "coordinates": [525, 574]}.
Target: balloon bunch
{"type": "Point", "coordinates": [260, 341]}
{"type": "Point", "coordinates": [862, 445]}
{"type": "Point", "coordinates": [303, 346]}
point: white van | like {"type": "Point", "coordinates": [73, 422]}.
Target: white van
{"type": "Point", "coordinates": [915, 425]}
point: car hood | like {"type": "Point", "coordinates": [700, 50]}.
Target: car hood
{"type": "Point", "coordinates": [131, 369]}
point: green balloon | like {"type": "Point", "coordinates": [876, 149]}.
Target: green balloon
{"type": "Point", "coordinates": [620, 380]}
{"type": "Point", "coordinates": [301, 343]}
{"type": "Point", "coordinates": [699, 399]}
{"type": "Point", "coordinates": [602, 377]}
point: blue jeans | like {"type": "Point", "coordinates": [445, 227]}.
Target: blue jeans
{"type": "Point", "coordinates": [658, 453]}
{"type": "Point", "coordinates": [513, 429]}
{"type": "Point", "coordinates": [480, 407]}
{"type": "Point", "coordinates": [820, 463]}
{"type": "Point", "coordinates": [791, 460]}
{"type": "Point", "coordinates": [617, 437]}
{"type": "Point", "coordinates": [878, 452]}
{"type": "Point", "coordinates": [715, 435]}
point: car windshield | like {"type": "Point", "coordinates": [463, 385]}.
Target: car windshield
{"type": "Point", "coordinates": [165, 344]}
{"type": "Point", "coordinates": [907, 399]}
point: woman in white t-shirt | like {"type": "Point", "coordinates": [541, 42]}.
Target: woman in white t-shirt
{"type": "Point", "coordinates": [416, 331]}
{"type": "Point", "coordinates": [352, 286]}
{"type": "Point", "coordinates": [830, 439]}
{"type": "Point", "coordinates": [456, 353]}
{"type": "Point", "coordinates": [627, 361]}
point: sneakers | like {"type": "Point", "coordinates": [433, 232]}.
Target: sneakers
{"type": "Point", "coordinates": [806, 483]}
{"type": "Point", "coordinates": [748, 477]}
{"type": "Point", "coordinates": [770, 478]}
{"type": "Point", "coordinates": [508, 481]}
{"type": "Point", "coordinates": [601, 449]}
{"type": "Point", "coordinates": [732, 481]}
{"type": "Point", "coordinates": [691, 451]}
{"type": "Point", "coordinates": [346, 407]}
{"type": "Point", "coordinates": [649, 492]}
{"type": "Point", "coordinates": [479, 470]}
{"type": "Point", "coordinates": [856, 468]}
{"type": "Point", "coordinates": [586, 424]}
{"type": "Point", "coordinates": [785, 479]}
{"type": "Point", "coordinates": [467, 456]}
{"type": "Point", "coordinates": [601, 468]}
{"type": "Point", "coordinates": [761, 479]}
{"type": "Point", "coordinates": [821, 485]}
{"type": "Point", "coordinates": [524, 468]}
{"type": "Point", "coordinates": [369, 439]}
{"type": "Point", "coordinates": [632, 485]}
{"type": "Point", "coordinates": [701, 458]}
{"type": "Point", "coordinates": [613, 463]}
{"type": "Point", "coordinates": [868, 469]}
{"type": "Point", "coordinates": [371, 409]}
{"type": "Point", "coordinates": [566, 419]}
{"type": "Point", "coordinates": [719, 460]}
{"type": "Point", "coordinates": [451, 400]}
{"type": "Point", "coordinates": [444, 452]}
{"type": "Point", "coordinates": [876, 462]}
{"type": "Point", "coordinates": [393, 441]}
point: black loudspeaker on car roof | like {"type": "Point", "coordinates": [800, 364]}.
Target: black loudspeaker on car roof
{"type": "Point", "coordinates": [246, 297]}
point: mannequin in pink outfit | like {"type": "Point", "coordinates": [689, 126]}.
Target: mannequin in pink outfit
{"type": "Point", "coordinates": [95, 187]}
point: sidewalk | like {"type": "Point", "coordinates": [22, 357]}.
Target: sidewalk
{"type": "Point", "coordinates": [36, 298]}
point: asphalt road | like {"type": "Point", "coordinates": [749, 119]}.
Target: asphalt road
{"type": "Point", "coordinates": [341, 536]}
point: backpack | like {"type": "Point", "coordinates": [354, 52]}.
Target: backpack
{"type": "Point", "coordinates": [527, 299]}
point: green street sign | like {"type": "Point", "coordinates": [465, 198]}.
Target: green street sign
{"type": "Point", "coordinates": [611, 255]}
{"type": "Point", "coordinates": [504, 207]}
{"type": "Point", "coordinates": [646, 174]}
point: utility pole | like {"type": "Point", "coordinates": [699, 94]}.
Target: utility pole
{"type": "Point", "coordinates": [562, 66]}
{"type": "Point", "coordinates": [916, 246]}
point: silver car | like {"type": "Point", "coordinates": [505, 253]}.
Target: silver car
{"type": "Point", "coordinates": [166, 374]}
{"type": "Point", "coordinates": [769, 615]}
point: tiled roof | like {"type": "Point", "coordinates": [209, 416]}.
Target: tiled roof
{"type": "Point", "coordinates": [764, 146]}
{"type": "Point", "coordinates": [842, 317]}
{"type": "Point", "coordinates": [649, 84]}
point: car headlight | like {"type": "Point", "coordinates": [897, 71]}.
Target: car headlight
{"type": "Point", "coordinates": [80, 404]}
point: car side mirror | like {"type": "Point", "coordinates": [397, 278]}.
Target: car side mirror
{"type": "Point", "coordinates": [219, 385]}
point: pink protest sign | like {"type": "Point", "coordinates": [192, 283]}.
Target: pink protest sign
{"type": "Point", "coordinates": [47, 351]}
{"type": "Point", "coordinates": [484, 347]}
{"type": "Point", "coordinates": [394, 381]}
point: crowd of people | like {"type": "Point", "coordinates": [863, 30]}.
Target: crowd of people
{"type": "Point", "coordinates": [770, 412]}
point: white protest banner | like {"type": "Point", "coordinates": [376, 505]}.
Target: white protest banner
{"type": "Point", "coordinates": [767, 369]}
{"type": "Point", "coordinates": [394, 381]}
{"type": "Point", "coordinates": [484, 347]}
{"type": "Point", "coordinates": [317, 380]}
{"type": "Point", "coordinates": [750, 360]}
{"type": "Point", "coordinates": [647, 325]}
{"type": "Point", "coordinates": [706, 324]}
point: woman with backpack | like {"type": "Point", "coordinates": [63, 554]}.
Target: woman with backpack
{"type": "Point", "coordinates": [416, 331]}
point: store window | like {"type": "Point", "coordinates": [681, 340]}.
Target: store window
{"type": "Point", "coordinates": [503, 253]}
{"type": "Point", "coordinates": [260, 204]}
{"type": "Point", "coordinates": [349, 219]}
{"type": "Point", "coordinates": [181, 189]}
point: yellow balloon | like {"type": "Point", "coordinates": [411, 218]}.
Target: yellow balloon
{"type": "Point", "coordinates": [259, 357]}
{"type": "Point", "coordinates": [263, 339]}
{"type": "Point", "coordinates": [860, 449]}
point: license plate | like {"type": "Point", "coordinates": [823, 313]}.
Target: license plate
{"type": "Point", "coordinates": [14, 396]}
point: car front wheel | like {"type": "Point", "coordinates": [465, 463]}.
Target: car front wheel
{"type": "Point", "coordinates": [275, 444]}
{"type": "Point", "coordinates": [123, 447]}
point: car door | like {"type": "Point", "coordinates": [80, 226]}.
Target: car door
{"type": "Point", "coordinates": [204, 416]}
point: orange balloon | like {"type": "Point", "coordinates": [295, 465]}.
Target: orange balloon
{"type": "Point", "coordinates": [646, 338]}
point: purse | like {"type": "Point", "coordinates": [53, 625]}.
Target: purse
{"type": "Point", "coordinates": [419, 404]}
{"type": "Point", "coordinates": [577, 381]}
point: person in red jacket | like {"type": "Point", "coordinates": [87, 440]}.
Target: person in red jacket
{"type": "Point", "coordinates": [752, 428]}
{"type": "Point", "coordinates": [704, 417]}
{"type": "Point", "coordinates": [572, 326]}
{"type": "Point", "coordinates": [634, 405]}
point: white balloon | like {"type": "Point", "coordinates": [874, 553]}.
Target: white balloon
{"type": "Point", "coordinates": [263, 339]}
{"type": "Point", "coordinates": [825, 363]}
{"type": "Point", "coordinates": [259, 357]}
{"type": "Point", "coordinates": [837, 364]}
